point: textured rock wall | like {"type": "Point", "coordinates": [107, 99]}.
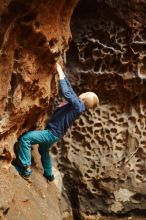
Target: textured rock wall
{"type": "Point", "coordinates": [103, 155]}
{"type": "Point", "coordinates": [22, 200]}
{"type": "Point", "coordinates": [31, 40]}
{"type": "Point", "coordinates": [33, 35]}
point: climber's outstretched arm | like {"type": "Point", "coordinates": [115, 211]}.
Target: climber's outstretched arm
{"type": "Point", "coordinates": [66, 89]}
{"type": "Point", "coordinates": [62, 76]}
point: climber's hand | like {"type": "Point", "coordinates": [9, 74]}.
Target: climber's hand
{"type": "Point", "coordinates": [58, 67]}
{"type": "Point", "coordinates": [60, 71]}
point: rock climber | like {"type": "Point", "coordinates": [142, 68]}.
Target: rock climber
{"type": "Point", "coordinates": [57, 126]}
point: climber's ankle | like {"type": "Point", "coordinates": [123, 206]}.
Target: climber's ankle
{"type": "Point", "coordinates": [28, 168]}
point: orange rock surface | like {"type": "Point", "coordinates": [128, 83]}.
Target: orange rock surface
{"type": "Point", "coordinates": [34, 34]}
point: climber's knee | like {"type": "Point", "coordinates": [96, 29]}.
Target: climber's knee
{"type": "Point", "coordinates": [23, 138]}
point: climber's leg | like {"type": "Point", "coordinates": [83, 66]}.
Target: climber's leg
{"type": "Point", "coordinates": [46, 157]}
{"type": "Point", "coordinates": [28, 139]}
{"type": "Point", "coordinates": [43, 137]}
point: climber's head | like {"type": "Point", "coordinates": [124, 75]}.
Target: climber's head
{"type": "Point", "coordinates": [90, 100]}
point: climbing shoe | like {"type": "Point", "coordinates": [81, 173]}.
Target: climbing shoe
{"type": "Point", "coordinates": [49, 177]}
{"type": "Point", "coordinates": [23, 171]}
{"type": "Point", "coordinates": [26, 177]}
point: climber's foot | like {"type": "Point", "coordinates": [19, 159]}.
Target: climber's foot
{"type": "Point", "coordinates": [50, 178]}
{"type": "Point", "coordinates": [26, 177]}
{"type": "Point", "coordinates": [24, 171]}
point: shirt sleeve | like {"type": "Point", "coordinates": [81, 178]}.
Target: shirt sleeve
{"type": "Point", "coordinates": [70, 95]}
{"type": "Point", "coordinates": [69, 85]}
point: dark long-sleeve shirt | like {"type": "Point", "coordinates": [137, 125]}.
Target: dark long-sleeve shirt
{"type": "Point", "coordinates": [64, 116]}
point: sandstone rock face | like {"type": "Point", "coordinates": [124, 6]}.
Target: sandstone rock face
{"type": "Point", "coordinates": [31, 40]}
{"type": "Point", "coordinates": [33, 35]}
{"type": "Point", "coordinates": [103, 155]}
{"type": "Point", "coordinates": [22, 200]}
{"type": "Point", "coordinates": [102, 158]}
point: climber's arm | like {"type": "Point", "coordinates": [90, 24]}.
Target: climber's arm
{"type": "Point", "coordinates": [66, 88]}
{"type": "Point", "coordinates": [62, 76]}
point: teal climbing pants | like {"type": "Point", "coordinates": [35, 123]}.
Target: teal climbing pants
{"type": "Point", "coordinates": [44, 139]}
